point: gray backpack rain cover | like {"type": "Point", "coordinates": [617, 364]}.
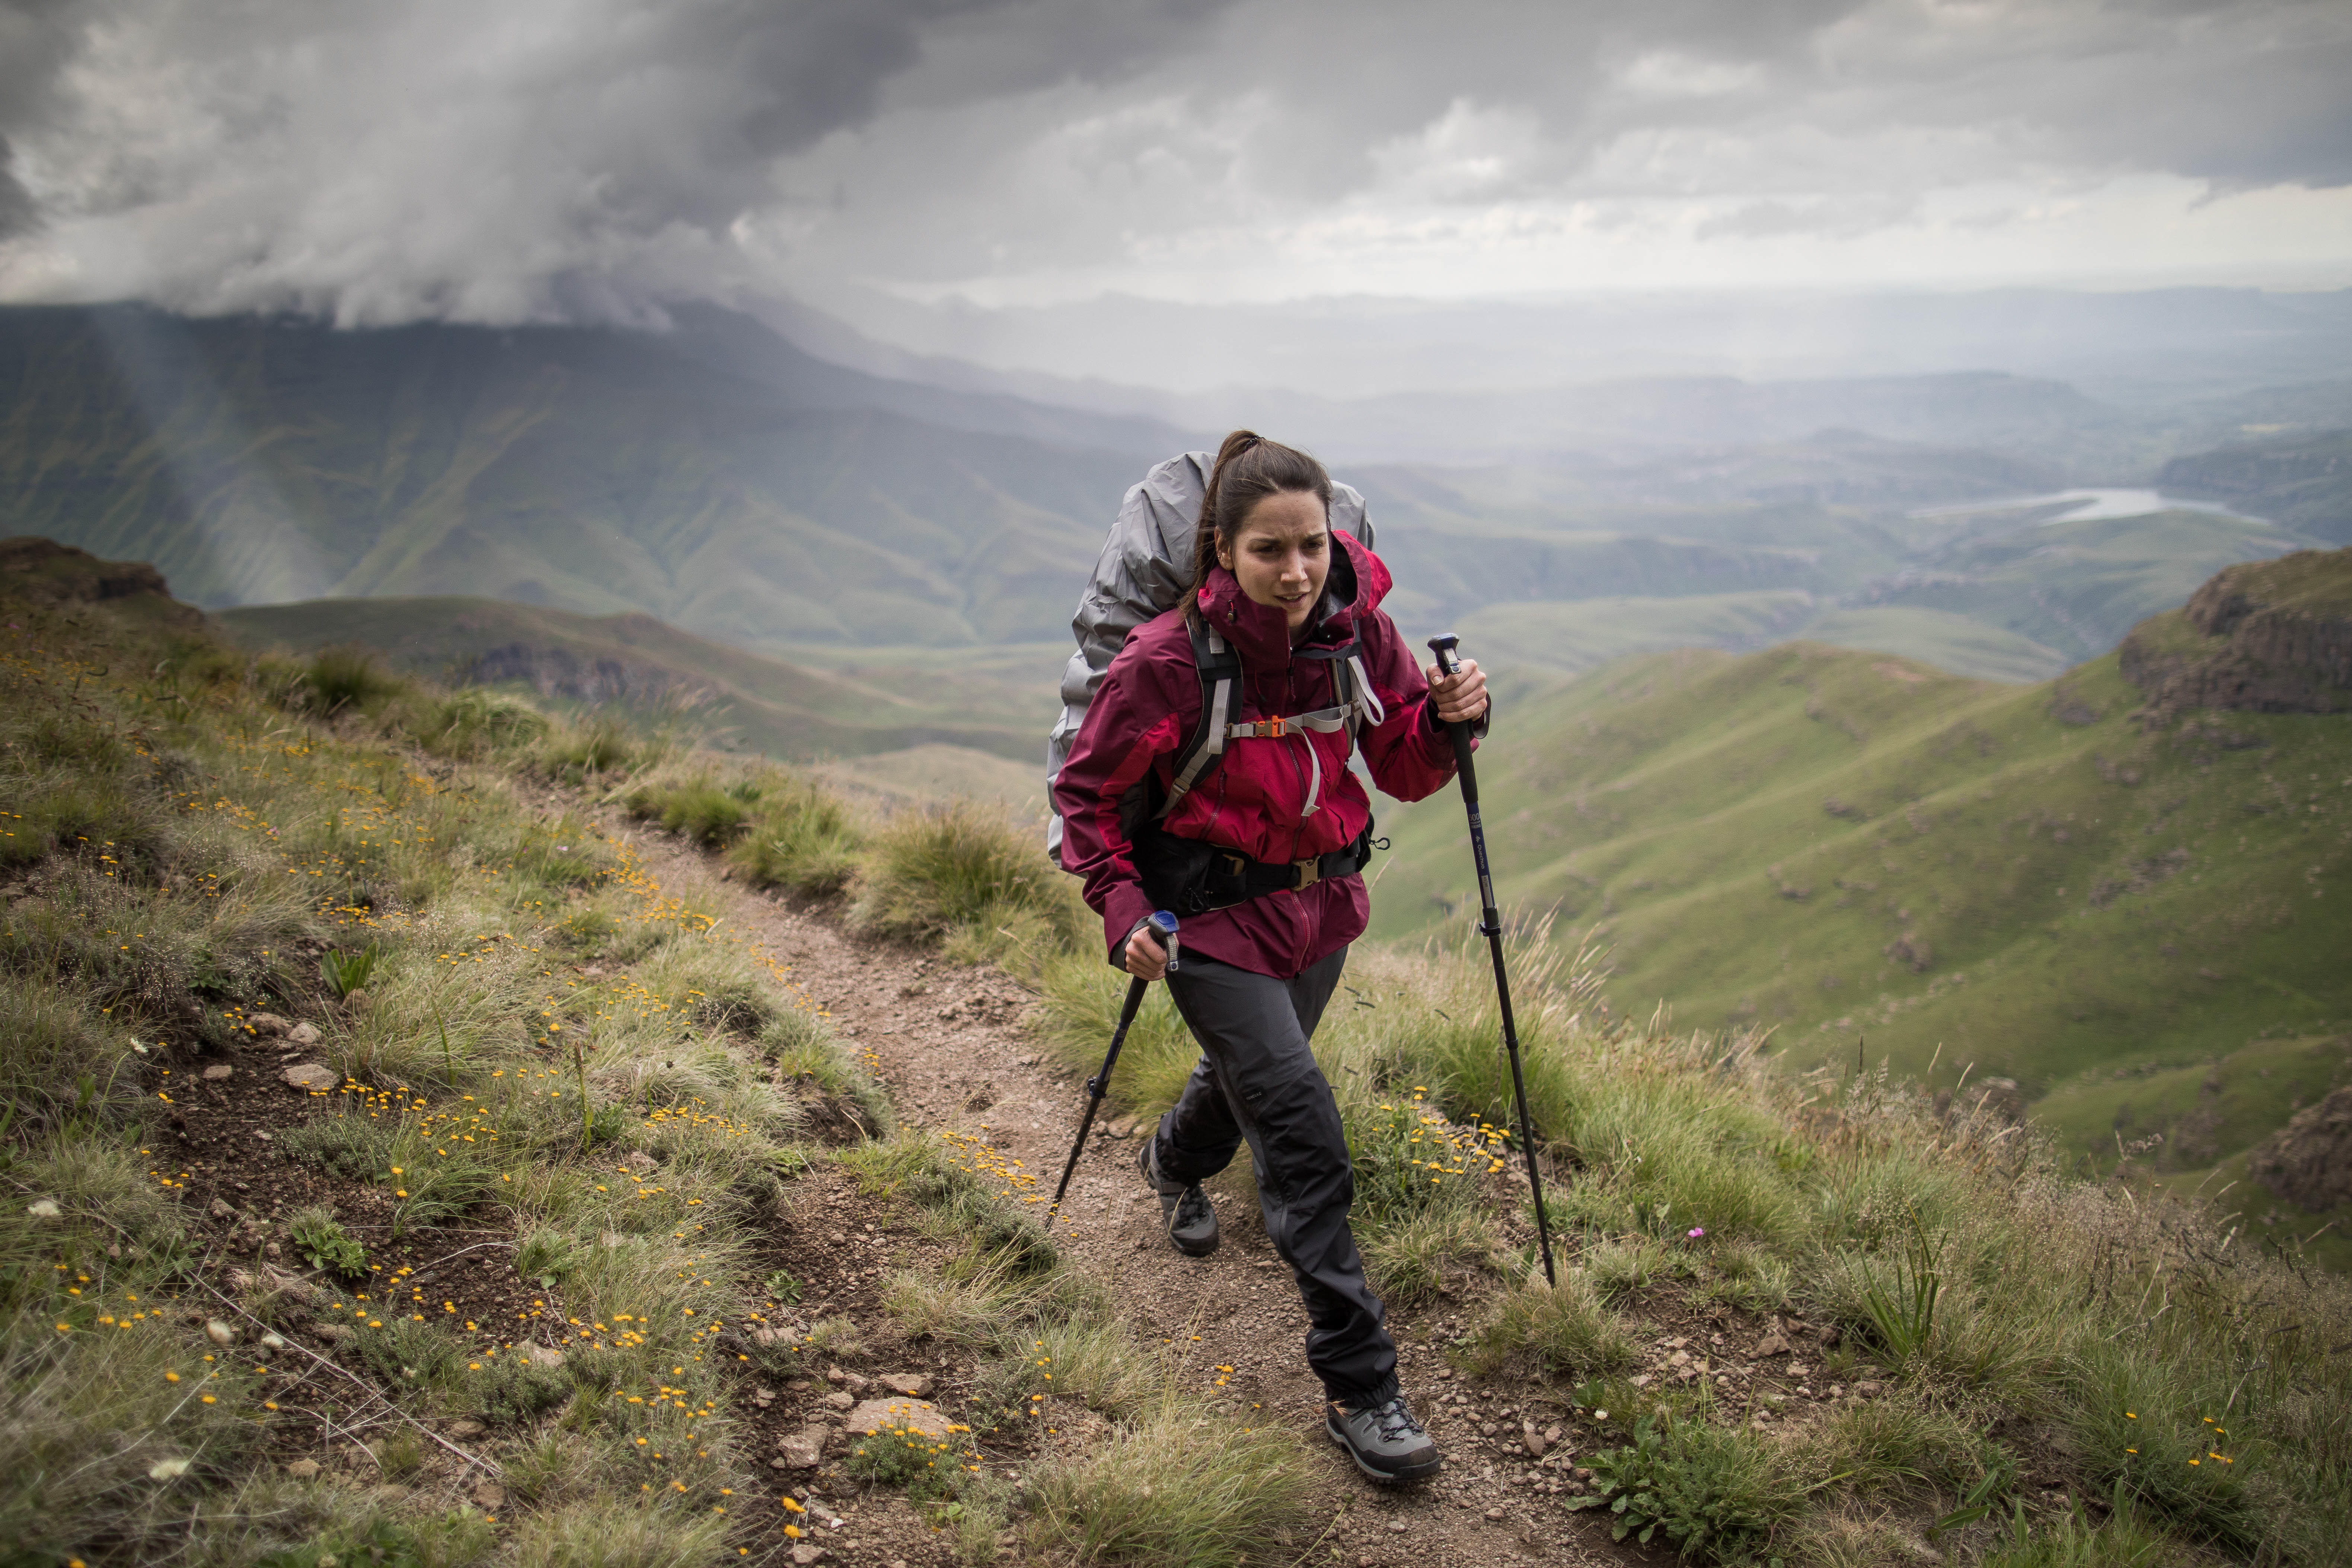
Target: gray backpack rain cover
{"type": "Point", "coordinates": [1145, 568]}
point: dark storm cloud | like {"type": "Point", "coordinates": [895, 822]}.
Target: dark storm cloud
{"type": "Point", "coordinates": [379, 162]}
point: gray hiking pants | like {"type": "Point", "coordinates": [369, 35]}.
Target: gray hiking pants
{"type": "Point", "coordinates": [1257, 1079]}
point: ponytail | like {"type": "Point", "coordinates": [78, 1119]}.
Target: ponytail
{"type": "Point", "coordinates": [1248, 468]}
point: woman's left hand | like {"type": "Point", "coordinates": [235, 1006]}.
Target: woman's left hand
{"type": "Point", "coordinates": [1459, 698]}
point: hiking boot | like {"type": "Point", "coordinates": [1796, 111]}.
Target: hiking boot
{"type": "Point", "coordinates": [1185, 1212]}
{"type": "Point", "coordinates": [1385, 1441]}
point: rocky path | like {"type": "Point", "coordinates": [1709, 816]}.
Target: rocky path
{"type": "Point", "coordinates": [951, 1043]}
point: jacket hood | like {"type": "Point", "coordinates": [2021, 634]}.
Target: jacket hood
{"type": "Point", "coordinates": [1358, 582]}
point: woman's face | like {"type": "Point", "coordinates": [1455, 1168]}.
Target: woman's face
{"type": "Point", "coordinates": [1281, 553]}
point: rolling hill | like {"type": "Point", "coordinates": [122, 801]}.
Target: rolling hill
{"type": "Point", "coordinates": [2057, 884]}
{"type": "Point", "coordinates": [654, 672]}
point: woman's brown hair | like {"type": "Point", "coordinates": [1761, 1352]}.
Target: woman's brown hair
{"type": "Point", "coordinates": [1249, 469]}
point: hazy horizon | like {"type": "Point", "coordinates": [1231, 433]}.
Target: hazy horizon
{"type": "Point", "coordinates": [1079, 189]}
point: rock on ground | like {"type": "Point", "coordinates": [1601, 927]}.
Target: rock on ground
{"type": "Point", "coordinates": [914, 1414]}
{"type": "Point", "coordinates": [2308, 1162]}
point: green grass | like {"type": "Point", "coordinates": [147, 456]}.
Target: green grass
{"type": "Point", "coordinates": [2074, 1326]}
{"type": "Point", "coordinates": [1577, 635]}
{"type": "Point", "coordinates": [244, 831]}
{"type": "Point", "coordinates": [1961, 645]}
{"type": "Point", "coordinates": [1845, 848]}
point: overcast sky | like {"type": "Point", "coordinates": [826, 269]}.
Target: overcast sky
{"type": "Point", "coordinates": [389, 160]}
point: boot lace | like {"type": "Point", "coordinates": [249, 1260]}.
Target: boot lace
{"type": "Point", "coordinates": [1190, 1209]}
{"type": "Point", "coordinates": [1395, 1420]}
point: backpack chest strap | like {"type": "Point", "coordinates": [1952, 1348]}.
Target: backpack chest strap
{"type": "Point", "coordinates": [1324, 720]}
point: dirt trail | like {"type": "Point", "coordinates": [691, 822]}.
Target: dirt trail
{"type": "Point", "coordinates": [949, 1042]}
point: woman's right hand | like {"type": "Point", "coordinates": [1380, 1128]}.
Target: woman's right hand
{"type": "Point", "coordinates": [1146, 959]}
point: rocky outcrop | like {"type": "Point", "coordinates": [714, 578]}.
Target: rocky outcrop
{"type": "Point", "coordinates": [43, 569]}
{"type": "Point", "coordinates": [559, 672]}
{"type": "Point", "coordinates": [2271, 637]}
{"type": "Point", "coordinates": [2308, 1162]}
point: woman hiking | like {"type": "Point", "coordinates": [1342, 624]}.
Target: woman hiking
{"type": "Point", "coordinates": [1253, 828]}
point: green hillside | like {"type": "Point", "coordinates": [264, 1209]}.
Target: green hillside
{"type": "Point", "coordinates": [2026, 883]}
{"type": "Point", "coordinates": [655, 672]}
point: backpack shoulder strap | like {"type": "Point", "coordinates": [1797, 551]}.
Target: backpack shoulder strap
{"type": "Point", "coordinates": [1220, 668]}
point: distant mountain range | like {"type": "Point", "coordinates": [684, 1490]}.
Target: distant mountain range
{"type": "Point", "coordinates": [761, 498]}
{"type": "Point", "coordinates": [744, 490]}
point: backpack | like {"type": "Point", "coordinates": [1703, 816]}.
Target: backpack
{"type": "Point", "coordinates": [1144, 570]}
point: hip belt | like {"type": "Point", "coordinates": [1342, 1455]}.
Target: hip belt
{"type": "Point", "coordinates": [1193, 876]}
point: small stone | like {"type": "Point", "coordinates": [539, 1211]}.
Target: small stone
{"type": "Point", "coordinates": [1535, 1442]}
{"type": "Point", "coordinates": [268, 1026]}
{"type": "Point", "coordinates": [804, 1449]}
{"type": "Point", "coordinates": [333, 1334]}
{"type": "Point", "coordinates": [1772, 1345]}
{"type": "Point", "coordinates": [1497, 1511]}
{"type": "Point", "coordinates": [1398, 1527]}
{"type": "Point", "coordinates": [1122, 1128]}
{"type": "Point", "coordinates": [220, 1333]}
{"type": "Point", "coordinates": [305, 1034]}
{"type": "Point", "coordinates": [1869, 1389]}
{"type": "Point", "coordinates": [302, 1470]}
{"type": "Point", "coordinates": [218, 1071]}
{"type": "Point", "coordinates": [43, 1208]}
{"type": "Point", "coordinates": [487, 1494]}
{"type": "Point", "coordinates": [804, 1555]}
{"type": "Point", "coordinates": [221, 1210]}
{"type": "Point", "coordinates": [799, 1386]}
{"type": "Point", "coordinates": [466, 1429]}
{"type": "Point", "coordinates": [310, 1076]}
{"type": "Point", "coordinates": [913, 1384]}
{"type": "Point", "coordinates": [839, 1401]}
{"type": "Point", "coordinates": [915, 1416]}
{"type": "Point", "coordinates": [542, 1355]}
{"type": "Point", "coordinates": [273, 1342]}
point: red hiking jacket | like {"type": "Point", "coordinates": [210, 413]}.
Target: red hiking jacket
{"type": "Point", "coordinates": [1254, 798]}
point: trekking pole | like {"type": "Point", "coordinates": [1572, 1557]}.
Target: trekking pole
{"type": "Point", "coordinates": [1490, 925]}
{"type": "Point", "coordinates": [1163, 926]}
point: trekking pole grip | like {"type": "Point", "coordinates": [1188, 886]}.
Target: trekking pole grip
{"type": "Point", "coordinates": [1445, 646]}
